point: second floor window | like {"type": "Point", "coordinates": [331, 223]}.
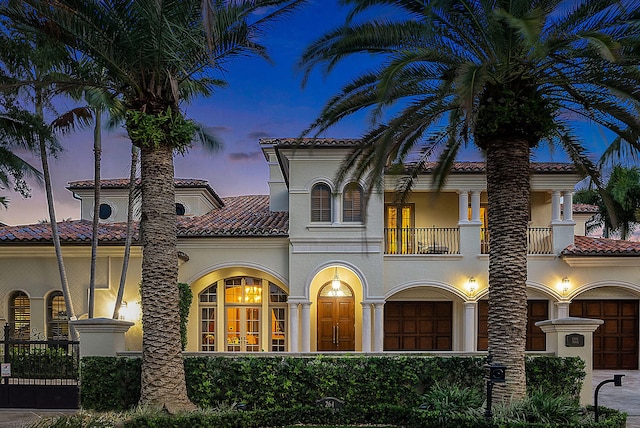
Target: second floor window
{"type": "Point", "coordinates": [352, 203]}
{"type": "Point", "coordinates": [321, 203]}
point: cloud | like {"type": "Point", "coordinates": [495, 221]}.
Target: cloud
{"type": "Point", "coordinates": [256, 135]}
{"type": "Point", "coordinates": [244, 156]}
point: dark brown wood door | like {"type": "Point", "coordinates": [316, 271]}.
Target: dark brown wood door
{"type": "Point", "coordinates": [418, 326]}
{"type": "Point", "coordinates": [537, 310]}
{"type": "Point", "coordinates": [336, 324]}
{"type": "Point", "coordinates": [615, 343]}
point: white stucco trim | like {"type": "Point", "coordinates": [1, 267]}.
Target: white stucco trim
{"type": "Point", "coordinates": [340, 264]}
{"type": "Point", "coordinates": [239, 264]}
{"type": "Point", "coordinates": [435, 284]}
{"type": "Point", "coordinates": [607, 283]}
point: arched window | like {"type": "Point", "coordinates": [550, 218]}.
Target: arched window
{"type": "Point", "coordinates": [180, 209]}
{"type": "Point", "coordinates": [20, 315]}
{"type": "Point", "coordinates": [208, 300]}
{"type": "Point", "coordinates": [241, 320]}
{"type": "Point", "coordinates": [105, 211]}
{"type": "Point", "coordinates": [57, 320]}
{"type": "Point", "coordinates": [352, 203]}
{"type": "Point", "coordinates": [321, 203]}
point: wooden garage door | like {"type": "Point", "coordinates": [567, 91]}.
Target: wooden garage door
{"type": "Point", "coordinates": [615, 343]}
{"type": "Point", "coordinates": [418, 326]}
{"type": "Point", "coordinates": [537, 310]}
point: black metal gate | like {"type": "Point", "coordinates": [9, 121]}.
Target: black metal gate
{"type": "Point", "coordinates": [39, 374]}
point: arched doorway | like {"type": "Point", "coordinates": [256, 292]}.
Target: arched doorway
{"type": "Point", "coordinates": [336, 317]}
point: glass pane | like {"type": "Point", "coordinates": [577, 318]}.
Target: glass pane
{"type": "Point", "coordinates": [253, 290]}
{"type": "Point", "coordinates": [253, 329]}
{"type": "Point", "coordinates": [276, 294]}
{"type": "Point", "coordinates": [278, 329]}
{"type": "Point", "coordinates": [20, 315]}
{"type": "Point", "coordinates": [208, 328]}
{"type": "Point", "coordinates": [233, 290]}
{"type": "Point", "coordinates": [209, 295]}
{"type": "Point", "coordinates": [233, 329]}
{"type": "Point", "coordinates": [342, 291]}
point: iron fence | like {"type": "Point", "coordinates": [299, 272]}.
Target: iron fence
{"type": "Point", "coordinates": [539, 240]}
{"type": "Point", "coordinates": [422, 240]}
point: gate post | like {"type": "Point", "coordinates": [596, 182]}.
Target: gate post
{"type": "Point", "coordinates": [573, 337]}
{"type": "Point", "coordinates": [101, 337]}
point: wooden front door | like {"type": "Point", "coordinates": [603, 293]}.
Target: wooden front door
{"type": "Point", "coordinates": [336, 323]}
{"type": "Point", "coordinates": [615, 343]}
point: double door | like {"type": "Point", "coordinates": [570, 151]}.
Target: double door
{"type": "Point", "coordinates": [336, 324]}
{"type": "Point", "coordinates": [243, 329]}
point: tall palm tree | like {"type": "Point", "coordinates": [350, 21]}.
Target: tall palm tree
{"type": "Point", "coordinates": [160, 53]}
{"type": "Point", "coordinates": [28, 62]}
{"type": "Point", "coordinates": [503, 74]}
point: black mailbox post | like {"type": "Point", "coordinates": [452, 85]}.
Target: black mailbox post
{"type": "Point", "coordinates": [497, 374]}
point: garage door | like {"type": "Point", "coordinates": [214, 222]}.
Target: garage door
{"type": "Point", "coordinates": [418, 326]}
{"type": "Point", "coordinates": [615, 343]}
{"type": "Point", "coordinates": [537, 310]}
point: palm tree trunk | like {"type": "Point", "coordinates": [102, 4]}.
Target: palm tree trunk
{"type": "Point", "coordinates": [55, 235]}
{"type": "Point", "coordinates": [128, 237]}
{"type": "Point", "coordinates": [97, 155]}
{"type": "Point", "coordinates": [508, 198]}
{"type": "Point", "coordinates": [163, 379]}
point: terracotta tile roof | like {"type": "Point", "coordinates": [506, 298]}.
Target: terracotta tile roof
{"type": "Point", "coordinates": [74, 231]}
{"type": "Point", "coordinates": [590, 246]}
{"type": "Point", "coordinates": [585, 209]}
{"type": "Point", "coordinates": [240, 216]}
{"type": "Point", "coordinates": [479, 167]}
{"type": "Point", "coordinates": [123, 183]}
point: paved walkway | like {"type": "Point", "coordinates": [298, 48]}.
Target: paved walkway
{"type": "Point", "coordinates": [625, 398]}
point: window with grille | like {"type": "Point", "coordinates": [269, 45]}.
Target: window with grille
{"type": "Point", "coordinates": [20, 315]}
{"type": "Point", "coordinates": [352, 203]}
{"type": "Point", "coordinates": [208, 300]}
{"type": "Point", "coordinates": [321, 203]}
{"type": "Point", "coordinates": [57, 319]}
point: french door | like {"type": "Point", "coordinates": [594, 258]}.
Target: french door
{"type": "Point", "coordinates": [243, 329]}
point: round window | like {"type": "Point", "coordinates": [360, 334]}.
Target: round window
{"type": "Point", "coordinates": [180, 209]}
{"type": "Point", "coordinates": [105, 211]}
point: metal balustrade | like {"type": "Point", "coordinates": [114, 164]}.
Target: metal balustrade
{"type": "Point", "coordinates": [422, 240]}
{"type": "Point", "coordinates": [539, 240]}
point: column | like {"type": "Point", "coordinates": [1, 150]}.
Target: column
{"type": "Point", "coordinates": [378, 327]}
{"type": "Point", "coordinates": [470, 309]}
{"type": "Point", "coordinates": [475, 206]}
{"type": "Point", "coordinates": [573, 337]}
{"type": "Point", "coordinates": [567, 197]}
{"type": "Point", "coordinates": [337, 203]}
{"type": "Point", "coordinates": [562, 309]}
{"type": "Point", "coordinates": [555, 207]}
{"type": "Point", "coordinates": [293, 327]}
{"type": "Point", "coordinates": [366, 326]}
{"type": "Point", "coordinates": [306, 327]}
{"type": "Point", "coordinates": [463, 206]}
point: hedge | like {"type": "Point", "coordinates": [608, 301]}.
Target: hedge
{"type": "Point", "coordinates": [271, 382]}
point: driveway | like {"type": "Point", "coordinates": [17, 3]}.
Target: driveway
{"type": "Point", "coordinates": [625, 398]}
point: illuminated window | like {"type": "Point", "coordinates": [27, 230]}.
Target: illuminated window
{"type": "Point", "coordinates": [57, 320]}
{"type": "Point", "coordinates": [208, 299]}
{"type": "Point", "coordinates": [352, 203]}
{"type": "Point", "coordinates": [278, 310]}
{"type": "Point", "coordinates": [321, 203]}
{"type": "Point", "coordinates": [20, 315]}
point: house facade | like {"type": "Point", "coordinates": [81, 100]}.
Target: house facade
{"type": "Point", "coordinates": [308, 269]}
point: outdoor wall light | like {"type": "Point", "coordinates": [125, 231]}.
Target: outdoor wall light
{"type": "Point", "coordinates": [471, 286]}
{"type": "Point", "coordinates": [129, 311]}
{"type": "Point", "coordinates": [617, 381]}
{"type": "Point", "coordinates": [335, 282]}
{"type": "Point", "coordinates": [565, 286]}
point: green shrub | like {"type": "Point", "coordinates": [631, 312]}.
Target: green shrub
{"type": "Point", "coordinates": [186, 296]}
{"type": "Point", "coordinates": [280, 382]}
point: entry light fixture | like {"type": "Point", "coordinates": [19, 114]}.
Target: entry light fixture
{"type": "Point", "coordinates": [335, 283]}
{"type": "Point", "coordinates": [471, 285]}
{"type": "Point", "coordinates": [565, 286]}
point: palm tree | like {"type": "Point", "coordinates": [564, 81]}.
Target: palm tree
{"type": "Point", "coordinates": [28, 63]}
{"type": "Point", "coordinates": [617, 202]}
{"type": "Point", "coordinates": [160, 54]}
{"type": "Point", "coordinates": [505, 75]}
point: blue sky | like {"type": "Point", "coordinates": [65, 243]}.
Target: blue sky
{"type": "Point", "coordinates": [262, 100]}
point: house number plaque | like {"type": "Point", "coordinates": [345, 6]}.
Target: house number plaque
{"type": "Point", "coordinates": [574, 340]}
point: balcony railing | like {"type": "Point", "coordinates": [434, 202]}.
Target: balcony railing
{"type": "Point", "coordinates": [422, 240]}
{"type": "Point", "coordinates": [539, 240]}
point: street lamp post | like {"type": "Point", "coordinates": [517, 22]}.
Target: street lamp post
{"type": "Point", "coordinates": [617, 381]}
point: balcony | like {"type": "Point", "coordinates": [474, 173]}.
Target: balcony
{"type": "Point", "coordinates": [539, 240]}
{"type": "Point", "coordinates": [422, 240]}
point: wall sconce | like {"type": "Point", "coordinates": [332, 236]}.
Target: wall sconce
{"type": "Point", "coordinates": [129, 311]}
{"type": "Point", "coordinates": [565, 286]}
{"type": "Point", "coordinates": [471, 286]}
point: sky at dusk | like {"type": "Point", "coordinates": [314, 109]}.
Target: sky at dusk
{"type": "Point", "coordinates": [262, 100]}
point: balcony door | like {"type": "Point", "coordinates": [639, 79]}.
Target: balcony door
{"type": "Point", "coordinates": [336, 319]}
{"type": "Point", "coordinates": [399, 222]}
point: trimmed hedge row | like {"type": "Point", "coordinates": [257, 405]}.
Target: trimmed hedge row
{"type": "Point", "coordinates": [350, 415]}
{"type": "Point", "coordinates": [113, 383]}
